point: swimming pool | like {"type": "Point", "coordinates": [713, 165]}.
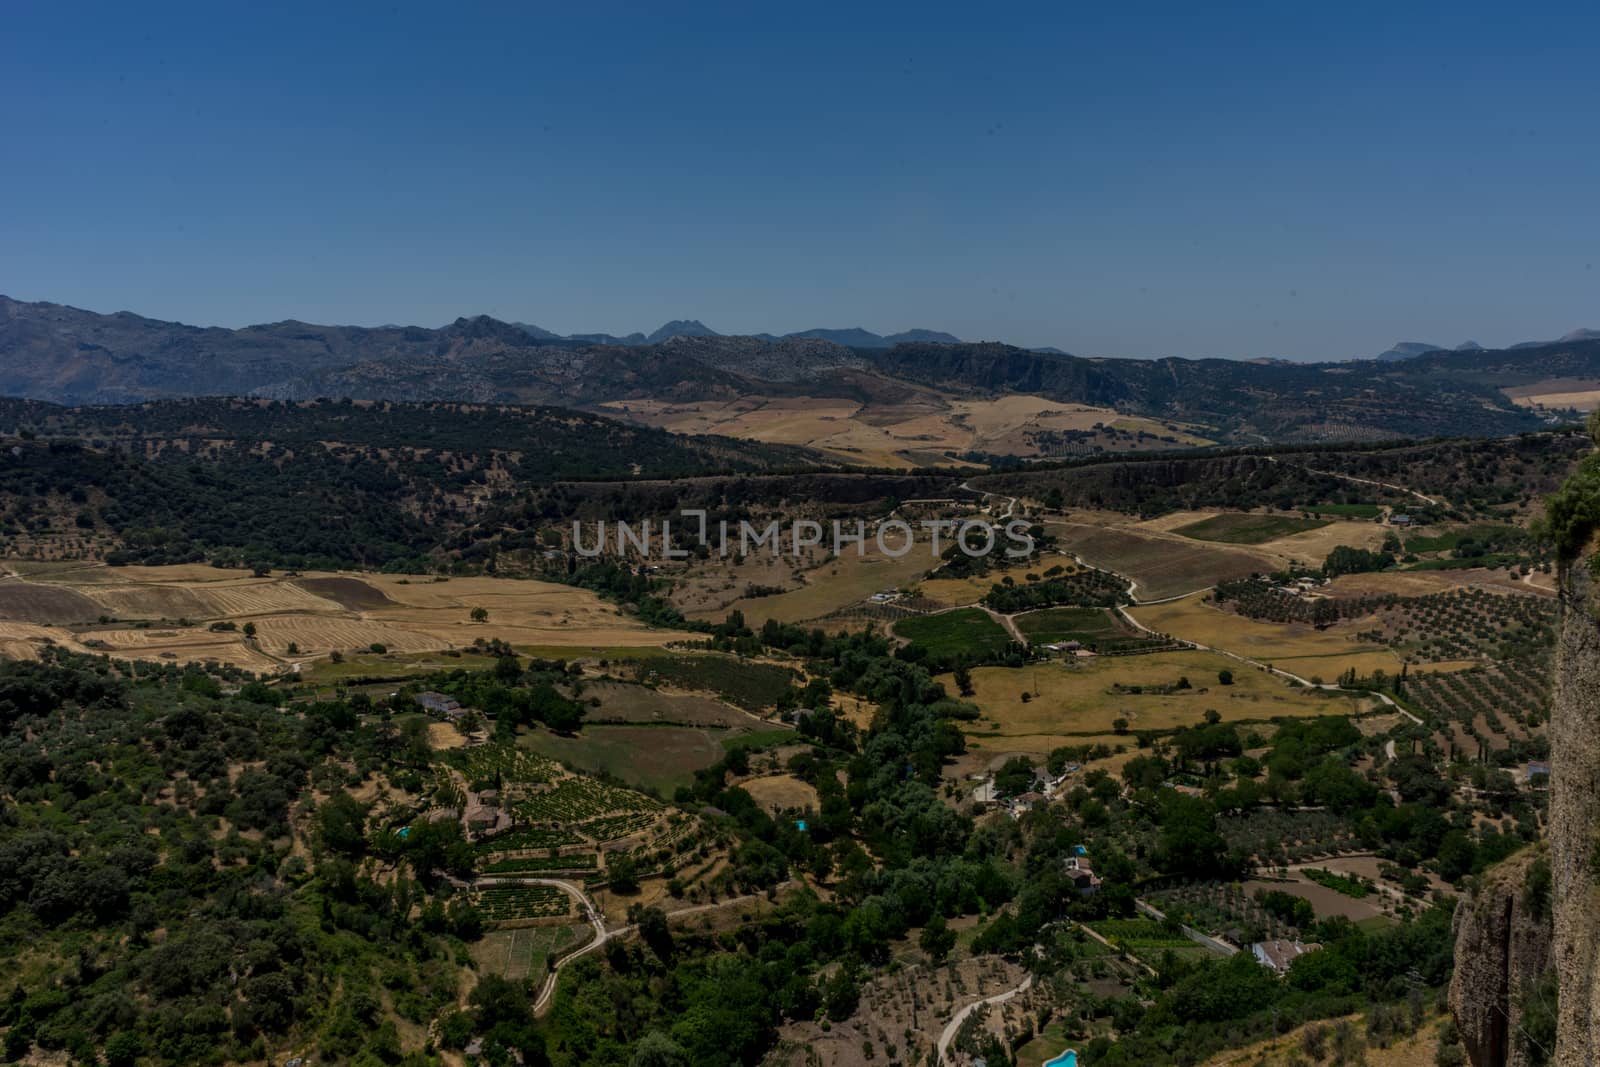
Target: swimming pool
{"type": "Point", "coordinates": [1068, 1058]}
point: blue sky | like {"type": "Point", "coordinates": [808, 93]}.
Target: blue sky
{"type": "Point", "coordinates": [1238, 180]}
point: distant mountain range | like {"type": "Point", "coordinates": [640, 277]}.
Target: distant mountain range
{"type": "Point", "coordinates": [855, 337]}
{"type": "Point", "coordinates": [66, 355]}
{"type": "Point", "coordinates": [1413, 349]}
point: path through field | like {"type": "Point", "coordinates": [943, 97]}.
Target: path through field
{"type": "Point", "coordinates": [953, 1027]}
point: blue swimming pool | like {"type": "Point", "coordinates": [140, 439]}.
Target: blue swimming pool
{"type": "Point", "coordinates": [1068, 1058]}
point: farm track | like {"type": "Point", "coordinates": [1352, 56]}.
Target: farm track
{"type": "Point", "coordinates": [1279, 671]}
{"type": "Point", "coordinates": [953, 1027]}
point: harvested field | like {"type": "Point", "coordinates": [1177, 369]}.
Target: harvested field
{"type": "Point", "coordinates": [350, 593]}
{"type": "Point", "coordinates": [178, 646]}
{"type": "Point", "coordinates": [50, 604]}
{"type": "Point", "coordinates": [780, 791]}
{"type": "Point", "coordinates": [315, 613]}
{"type": "Point", "coordinates": [1160, 565]}
{"type": "Point", "coordinates": [1582, 394]}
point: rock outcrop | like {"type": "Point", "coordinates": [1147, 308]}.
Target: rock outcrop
{"type": "Point", "coordinates": [1574, 835]}
{"type": "Point", "coordinates": [1503, 946]}
{"type": "Point", "coordinates": [1573, 517]}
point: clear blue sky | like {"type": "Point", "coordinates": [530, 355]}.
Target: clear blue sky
{"type": "Point", "coordinates": [1307, 181]}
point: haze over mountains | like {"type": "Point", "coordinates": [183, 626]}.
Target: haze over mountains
{"type": "Point", "coordinates": [854, 337]}
{"type": "Point", "coordinates": [66, 355]}
{"type": "Point", "coordinates": [1412, 349]}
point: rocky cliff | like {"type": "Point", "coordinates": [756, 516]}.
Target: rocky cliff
{"type": "Point", "coordinates": [1575, 817]}
{"type": "Point", "coordinates": [1573, 513]}
{"type": "Point", "coordinates": [1503, 947]}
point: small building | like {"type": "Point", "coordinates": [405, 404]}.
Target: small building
{"type": "Point", "coordinates": [1401, 520]}
{"type": "Point", "coordinates": [1536, 773]}
{"type": "Point", "coordinates": [437, 703]}
{"type": "Point", "coordinates": [1082, 876]}
{"type": "Point", "coordinates": [1279, 956]}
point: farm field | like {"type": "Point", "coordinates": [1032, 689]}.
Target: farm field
{"type": "Point", "coordinates": [1581, 394]}
{"type": "Point", "coordinates": [915, 433]}
{"type": "Point", "coordinates": [1311, 547]}
{"type": "Point", "coordinates": [1088, 625]}
{"type": "Point", "coordinates": [779, 791]}
{"type": "Point", "coordinates": [744, 683]}
{"type": "Point", "coordinates": [622, 702]}
{"type": "Point", "coordinates": [1333, 651]}
{"type": "Point", "coordinates": [965, 631]}
{"type": "Point", "coordinates": [836, 584]}
{"type": "Point", "coordinates": [167, 613]}
{"type": "Point", "coordinates": [1422, 583]}
{"type": "Point", "coordinates": [1238, 528]}
{"type": "Point", "coordinates": [520, 952]}
{"type": "Point", "coordinates": [658, 758]}
{"type": "Point", "coordinates": [1160, 565]}
{"type": "Point", "coordinates": [1327, 902]}
{"type": "Point", "coordinates": [1076, 702]}
{"type": "Point", "coordinates": [959, 592]}
{"type": "Point", "coordinates": [1298, 648]}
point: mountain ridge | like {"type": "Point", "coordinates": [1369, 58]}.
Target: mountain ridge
{"type": "Point", "coordinates": [66, 355]}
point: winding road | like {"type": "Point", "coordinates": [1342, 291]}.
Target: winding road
{"type": "Point", "coordinates": [953, 1027]}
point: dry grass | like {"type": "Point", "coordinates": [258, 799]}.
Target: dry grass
{"type": "Point", "coordinates": [1564, 393]}
{"type": "Point", "coordinates": [960, 592]}
{"type": "Point", "coordinates": [1418, 1050]}
{"type": "Point", "coordinates": [1192, 619]}
{"type": "Point", "coordinates": [836, 584]}
{"type": "Point", "coordinates": [1312, 546]}
{"type": "Point", "coordinates": [914, 433]}
{"type": "Point", "coordinates": [1074, 703]}
{"type": "Point", "coordinates": [444, 735]}
{"type": "Point", "coordinates": [779, 791]}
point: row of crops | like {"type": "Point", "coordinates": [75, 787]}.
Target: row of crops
{"type": "Point", "coordinates": [576, 799]}
{"type": "Point", "coordinates": [529, 837]}
{"type": "Point", "coordinates": [1277, 838]}
{"type": "Point", "coordinates": [1220, 908]}
{"type": "Point", "coordinates": [582, 861]}
{"type": "Point", "coordinates": [504, 903]}
{"type": "Point", "coordinates": [1459, 624]}
{"type": "Point", "coordinates": [1518, 689]}
{"type": "Point", "coordinates": [498, 763]}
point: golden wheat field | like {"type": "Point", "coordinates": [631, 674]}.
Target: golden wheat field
{"type": "Point", "coordinates": [197, 613]}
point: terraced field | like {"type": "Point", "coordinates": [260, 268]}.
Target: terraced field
{"type": "Point", "coordinates": [508, 903]}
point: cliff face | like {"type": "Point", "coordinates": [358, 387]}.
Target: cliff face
{"type": "Point", "coordinates": [1575, 817]}
{"type": "Point", "coordinates": [1503, 945]}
